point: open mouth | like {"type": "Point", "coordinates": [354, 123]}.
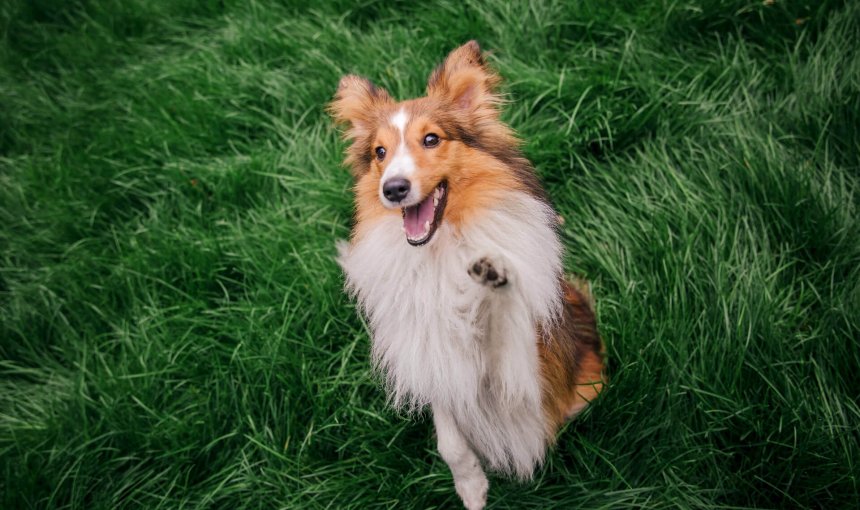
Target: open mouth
{"type": "Point", "coordinates": [421, 220]}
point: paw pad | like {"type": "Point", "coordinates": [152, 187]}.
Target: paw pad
{"type": "Point", "coordinates": [485, 272]}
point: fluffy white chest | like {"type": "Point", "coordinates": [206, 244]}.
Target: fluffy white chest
{"type": "Point", "coordinates": [440, 338]}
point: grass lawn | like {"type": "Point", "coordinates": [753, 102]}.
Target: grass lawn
{"type": "Point", "coordinates": [173, 329]}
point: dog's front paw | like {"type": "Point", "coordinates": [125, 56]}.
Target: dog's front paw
{"type": "Point", "coordinates": [473, 492]}
{"type": "Point", "coordinates": [488, 272]}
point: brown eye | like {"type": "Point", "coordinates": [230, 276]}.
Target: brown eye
{"type": "Point", "coordinates": [380, 153]}
{"type": "Point", "coordinates": [431, 140]}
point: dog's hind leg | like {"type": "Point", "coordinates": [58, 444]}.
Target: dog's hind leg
{"type": "Point", "coordinates": [469, 478]}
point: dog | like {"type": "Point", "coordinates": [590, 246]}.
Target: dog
{"type": "Point", "coordinates": [455, 260]}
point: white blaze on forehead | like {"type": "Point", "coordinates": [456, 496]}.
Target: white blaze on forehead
{"type": "Point", "coordinates": [401, 164]}
{"type": "Point", "coordinates": [399, 120]}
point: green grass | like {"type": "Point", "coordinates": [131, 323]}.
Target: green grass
{"type": "Point", "coordinates": [173, 330]}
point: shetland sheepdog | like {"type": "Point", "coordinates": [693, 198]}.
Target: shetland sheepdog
{"type": "Point", "coordinates": [456, 262]}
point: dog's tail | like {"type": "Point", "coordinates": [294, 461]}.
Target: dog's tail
{"type": "Point", "coordinates": [583, 286]}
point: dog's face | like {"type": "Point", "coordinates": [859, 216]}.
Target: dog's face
{"type": "Point", "coordinates": [441, 157]}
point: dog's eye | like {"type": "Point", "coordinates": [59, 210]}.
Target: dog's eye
{"type": "Point", "coordinates": [380, 153]}
{"type": "Point", "coordinates": [431, 140]}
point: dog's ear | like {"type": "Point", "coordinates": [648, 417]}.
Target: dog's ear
{"type": "Point", "coordinates": [356, 105]}
{"type": "Point", "coordinates": [356, 102]}
{"type": "Point", "coordinates": [465, 80]}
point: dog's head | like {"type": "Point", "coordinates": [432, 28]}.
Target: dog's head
{"type": "Point", "coordinates": [442, 156]}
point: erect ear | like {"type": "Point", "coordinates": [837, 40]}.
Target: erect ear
{"type": "Point", "coordinates": [355, 104]}
{"type": "Point", "coordinates": [466, 81]}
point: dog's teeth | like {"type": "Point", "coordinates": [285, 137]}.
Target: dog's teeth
{"type": "Point", "coordinates": [427, 226]}
{"type": "Point", "coordinates": [435, 201]}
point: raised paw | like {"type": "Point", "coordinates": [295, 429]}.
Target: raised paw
{"type": "Point", "coordinates": [485, 272]}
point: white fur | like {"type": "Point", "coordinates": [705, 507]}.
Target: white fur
{"type": "Point", "coordinates": [469, 479]}
{"type": "Point", "coordinates": [401, 165]}
{"type": "Point", "coordinates": [467, 349]}
{"type": "Point", "coordinates": [399, 121]}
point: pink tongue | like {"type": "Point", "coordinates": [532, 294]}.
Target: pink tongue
{"type": "Point", "coordinates": [414, 217]}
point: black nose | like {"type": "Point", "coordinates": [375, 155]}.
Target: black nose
{"type": "Point", "coordinates": [396, 189]}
